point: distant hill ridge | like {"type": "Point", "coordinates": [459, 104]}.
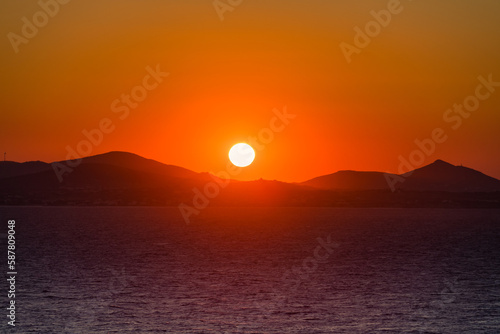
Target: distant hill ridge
{"type": "Point", "coordinates": [113, 158]}
{"type": "Point", "coordinates": [437, 176]}
{"type": "Point", "coordinates": [130, 171]}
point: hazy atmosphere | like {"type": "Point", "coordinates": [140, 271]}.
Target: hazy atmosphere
{"type": "Point", "coordinates": [250, 166]}
{"type": "Point", "coordinates": [352, 77]}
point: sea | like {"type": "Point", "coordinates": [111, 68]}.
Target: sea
{"type": "Point", "coordinates": [253, 270]}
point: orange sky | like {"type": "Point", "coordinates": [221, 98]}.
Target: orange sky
{"type": "Point", "coordinates": [226, 77]}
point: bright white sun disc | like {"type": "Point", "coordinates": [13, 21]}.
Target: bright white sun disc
{"type": "Point", "coordinates": [241, 155]}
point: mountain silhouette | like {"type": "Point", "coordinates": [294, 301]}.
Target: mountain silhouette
{"type": "Point", "coordinates": [11, 168]}
{"type": "Point", "coordinates": [437, 176]}
{"type": "Point", "coordinates": [350, 180]}
{"type": "Point", "coordinates": [443, 176]}
{"type": "Point", "coordinates": [122, 178]}
{"type": "Point", "coordinates": [113, 170]}
{"type": "Point", "coordinates": [138, 163]}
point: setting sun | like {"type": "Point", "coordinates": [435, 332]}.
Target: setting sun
{"type": "Point", "coordinates": [241, 155]}
{"type": "Point", "coordinates": [242, 166]}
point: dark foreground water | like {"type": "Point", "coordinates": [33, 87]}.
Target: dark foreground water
{"type": "Point", "coordinates": [239, 270]}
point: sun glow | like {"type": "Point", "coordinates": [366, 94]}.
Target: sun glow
{"type": "Point", "coordinates": [241, 155]}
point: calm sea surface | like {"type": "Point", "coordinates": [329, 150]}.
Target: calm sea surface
{"type": "Point", "coordinates": [254, 270]}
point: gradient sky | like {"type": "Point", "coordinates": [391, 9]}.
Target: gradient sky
{"type": "Point", "coordinates": [226, 77]}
